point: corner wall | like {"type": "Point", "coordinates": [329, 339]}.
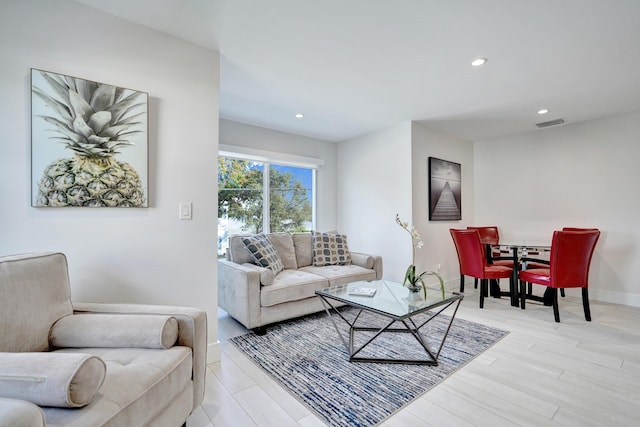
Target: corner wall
{"type": "Point", "coordinates": [582, 175]}
{"type": "Point", "coordinates": [374, 184]}
{"type": "Point", "coordinates": [117, 255]}
{"type": "Point", "coordinates": [438, 246]}
{"type": "Point", "coordinates": [386, 173]}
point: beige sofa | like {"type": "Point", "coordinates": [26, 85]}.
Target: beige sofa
{"type": "Point", "coordinates": [91, 364]}
{"type": "Point", "coordinates": [256, 296]}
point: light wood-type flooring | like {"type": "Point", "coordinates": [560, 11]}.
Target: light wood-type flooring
{"type": "Point", "coordinates": [573, 373]}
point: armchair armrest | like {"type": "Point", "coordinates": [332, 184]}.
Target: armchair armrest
{"type": "Point", "coordinates": [192, 332]}
{"type": "Point", "coordinates": [20, 413]}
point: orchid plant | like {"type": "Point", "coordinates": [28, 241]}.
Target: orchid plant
{"type": "Point", "coordinates": [411, 279]}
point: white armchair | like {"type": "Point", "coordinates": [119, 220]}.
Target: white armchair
{"type": "Point", "coordinates": [91, 364]}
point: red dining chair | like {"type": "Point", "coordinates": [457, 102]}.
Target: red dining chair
{"type": "Point", "coordinates": [490, 237]}
{"type": "Point", "coordinates": [473, 261]}
{"type": "Point", "coordinates": [543, 263]}
{"type": "Point", "coordinates": [569, 262]}
{"type": "Point", "coordinates": [533, 262]}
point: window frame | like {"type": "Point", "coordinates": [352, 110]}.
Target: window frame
{"type": "Point", "coordinates": [268, 158]}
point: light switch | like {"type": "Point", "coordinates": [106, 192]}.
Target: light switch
{"type": "Point", "coordinates": [185, 210]}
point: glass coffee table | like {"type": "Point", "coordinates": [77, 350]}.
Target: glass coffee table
{"type": "Point", "coordinates": [397, 307]}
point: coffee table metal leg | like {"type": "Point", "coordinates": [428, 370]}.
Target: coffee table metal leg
{"type": "Point", "coordinates": [352, 351]}
{"type": "Point", "coordinates": [411, 328]}
{"type": "Point", "coordinates": [327, 305]}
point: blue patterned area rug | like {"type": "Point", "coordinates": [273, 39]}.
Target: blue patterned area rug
{"type": "Point", "coordinates": [307, 357]}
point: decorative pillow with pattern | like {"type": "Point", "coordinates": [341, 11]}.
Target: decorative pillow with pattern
{"type": "Point", "coordinates": [330, 249]}
{"type": "Point", "coordinates": [263, 252]}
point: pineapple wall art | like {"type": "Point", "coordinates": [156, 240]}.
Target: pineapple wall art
{"type": "Point", "coordinates": [89, 143]}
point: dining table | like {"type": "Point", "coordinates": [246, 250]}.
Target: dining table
{"type": "Point", "coordinates": [519, 253]}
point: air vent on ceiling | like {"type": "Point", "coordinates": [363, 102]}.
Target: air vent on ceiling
{"type": "Point", "coordinates": [550, 123]}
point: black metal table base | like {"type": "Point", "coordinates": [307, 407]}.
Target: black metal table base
{"type": "Point", "coordinates": [409, 327]}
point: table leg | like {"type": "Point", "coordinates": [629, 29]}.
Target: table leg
{"type": "Point", "coordinates": [327, 307]}
{"type": "Point", "coordinates": [513, 286]}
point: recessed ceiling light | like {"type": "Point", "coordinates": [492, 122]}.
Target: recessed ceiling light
{"type": "Point", "coordinates": [543, 111]}
{"type": "Point", "coordinates": [299, 116]}
{"type": "Point", "coordinates": [479, 62]}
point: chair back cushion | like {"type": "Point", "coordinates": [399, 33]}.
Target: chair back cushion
{"type": "Point", "coordinates": [470, 252]}
{"type": "Point", "coordinates": [570, 259]}
{"type": "Point", "coordinates": [34, 294]}
{"type": "Point", "coordinates": [578, 229]}
{"type": "Point", "coordinates": [488, 235]}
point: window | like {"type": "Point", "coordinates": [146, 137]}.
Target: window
{"type": "Point", "coordinates": [256, 197]}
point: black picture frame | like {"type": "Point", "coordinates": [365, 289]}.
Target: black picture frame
{"type": "Point", "coordinates": [445, 190]}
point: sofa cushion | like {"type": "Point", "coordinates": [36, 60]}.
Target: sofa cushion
{"type": "Point", "coordinates": [51, 379]}
{"type": "Point", "coordinates": [263, 252]}
{"type": "Point", "coordinates": [237, 251]}
{"type": "Point", "coordinates": [140, 383]}
{"type": "Point", "coordinates": [284, 245]}
{"type": "Point", "coordinates": [341, 274]}
{"type": "Point", "coordinates": [35, 294]}
{"type": "Point", "coordinates": [291, 285]}
{"type": "Point", "coordinates": [303, 245]}
{"type": "Point", "coordinates": [330, 249]}
{"type": "Point", "coordinates": [114, 330]}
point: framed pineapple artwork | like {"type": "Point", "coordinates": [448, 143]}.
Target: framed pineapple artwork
{"type": "Point", "coordinates": [89, 143]}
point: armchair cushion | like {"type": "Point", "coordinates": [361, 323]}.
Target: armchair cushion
{"type": "Point", "coordinates": [51, 379]}
{"type": "Point", "coordinates": [114, 330]}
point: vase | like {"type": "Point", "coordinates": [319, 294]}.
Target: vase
{"type": "Point", "coordinates": [413, 287]}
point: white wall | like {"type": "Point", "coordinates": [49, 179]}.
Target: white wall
{"type": "Point", "coordinates": [374, 183]}
{"type": "Point", "coordinates": [243, 135]}
{"type": "Point", "coordinates": [117, 255]}
{"type": "Point", "coordinates": [438, 245]}
{"type": "Point", "coordinates": [583, 174]}
{"type": "Point", "coordinates": [385, 173]}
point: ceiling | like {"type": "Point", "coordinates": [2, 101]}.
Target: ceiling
{"type": "Point", "coordinates": [356, 66]}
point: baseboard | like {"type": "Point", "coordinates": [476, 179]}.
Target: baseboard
{"type": "Point", "coordinates": [213, 352]}
{"type": "Point", "coordinates": [615, 297]}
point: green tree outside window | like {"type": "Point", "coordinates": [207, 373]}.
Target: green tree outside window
{"type": "Point", "coordinates": [241, 196]}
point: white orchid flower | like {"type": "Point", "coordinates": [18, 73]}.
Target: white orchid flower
{"type": "Point", "coordinates": [411, 276]}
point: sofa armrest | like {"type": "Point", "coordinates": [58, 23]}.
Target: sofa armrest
{"type": "Point", "coordinates": [20, 413]}
{"type": "Point", "coordinates": [192, 332]}
{"type": "Point", "coordinates": [239, 292]}
{"type": "Point", "coordinates": [373, 262]}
